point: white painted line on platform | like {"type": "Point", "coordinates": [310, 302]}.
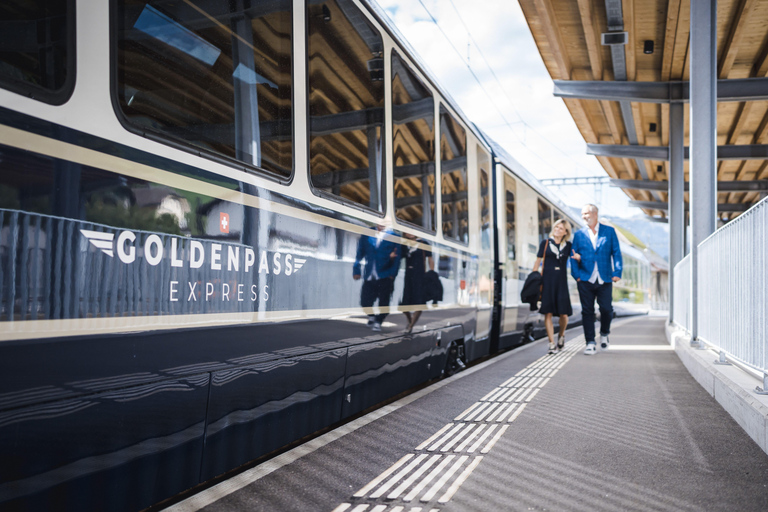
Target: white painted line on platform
{"type": "Point", "coordinates": [415, 476]}
{"type": "Point", "coordinates": [400, 474]}
{"type": "Point", "coordinates": [416, 490]}
{"type": "Point", "coordinates": [445, 498]}
{"type": "Point", "coordinates": [625, 348]}
{"type": "Point", "coordinates": [379, 508]}
{"type": "Point", "coordinates": [495, 438]}
{"type": "Point", "coordinates": [493, 392]}
{"type": "Point", "coordinates": [342, 507]}
{"type": "Point", "coordinates": [445, 438]}
{"type": "Point", "coordinates": [521, 396]}
{"type": "Point", "coordinates": [460, 416]}
{"type": "Point", "coordinates": [487, 411]}
{"type": "Point", "coordinates": [458, 438]}
{"type": "Point", "coordinates": [533, 394]}
{"type": "Point", "coordinates": [507, 411]}
{"type": "Point", "coordinates": [505, 396]}
{"type": "Point", "coordinates": [516, 413]}
{"type": "Point", "coordinates": [440, 483]}
{"type": "Point", "coordinates": [434, 436]}
{"type": "Point", "coordinates": [482, 439]}
{"type": "Point", "coordinates": [469, 439]}
{"type": "Point", "coordinates": [360, 508]}
{"type": "Point", "coordinates": [373, 483]}
{"type": "Point", "coordinates": [477, 411]}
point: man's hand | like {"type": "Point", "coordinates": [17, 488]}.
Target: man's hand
{"type": "Point", "coordinates": [356, 277]}
{"type": "Point", "coordinates": [575, 255]}
{"type": "Point", "coordinates": [616, 279]}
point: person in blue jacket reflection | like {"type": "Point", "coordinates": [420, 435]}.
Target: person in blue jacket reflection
{"type": "Point", "coordinates": [377, 262]}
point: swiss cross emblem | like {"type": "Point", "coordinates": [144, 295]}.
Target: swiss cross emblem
{"type": "Point", "coordinates": [224, 222]}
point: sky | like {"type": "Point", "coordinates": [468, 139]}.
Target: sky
{"type": "Point", "coordinates": [511, 97]}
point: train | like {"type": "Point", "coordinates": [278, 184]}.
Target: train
{"type": "Point", "coordinates": [187, 189]}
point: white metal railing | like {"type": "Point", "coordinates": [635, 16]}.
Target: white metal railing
{"type": "Point", "coordinates": [733, 288]}
{"type": "Point", "coordinates": [682, 293]}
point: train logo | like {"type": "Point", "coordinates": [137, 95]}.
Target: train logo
{"type": "Point", "coordinates": [195, 255]}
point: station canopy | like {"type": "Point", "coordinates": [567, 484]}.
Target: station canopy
{"type": "Point", "coordinates": [619, 64]}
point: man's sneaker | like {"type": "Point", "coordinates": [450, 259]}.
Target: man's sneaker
{"type": "Point", "coordinates": [376, 326]}
{"type": "Point", "coordinates": [604, 342]}
{"type": "Point", "coordinates": [591, 349]}
{"type": "Point", "coordinates": [371, 320]}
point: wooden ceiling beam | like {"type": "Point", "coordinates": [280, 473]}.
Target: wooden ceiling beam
{"type": "Point", "coordinates": [735, 36]}
{"type": "Point", "coordinates": [741, 120]}
{"type": "Point", "coordinates": [592, 38]}
{"type": "Point", "coordinates": [628, 11]}
{"type": "Point", "coordinates": [554, 37]}
{"type": "Point", "coordinates": [673, 15]}
{"type": "Point", "coordinates": [761, 65]}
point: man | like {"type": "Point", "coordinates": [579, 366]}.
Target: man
{"type": "Point", "coordinates": [596, 267]}
{"type": "Point", "coordinates": [382, 262]}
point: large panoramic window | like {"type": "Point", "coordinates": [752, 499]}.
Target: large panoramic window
{"type": "Point", "coordinates": [453, 166]}
{"type": "Point", "coordinates": [213, 75]}
{"type": "Point", "coordinates": [346, 103]}
{"type": "Point", "coordinates": [413, 147]}
{"type": "Point", "coordinates": [37, 48]}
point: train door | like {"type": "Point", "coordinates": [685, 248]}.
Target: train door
{"type": "Point", "coordinates": [508, 265]}
{"type": "Point", "coordinates": [485, 259]}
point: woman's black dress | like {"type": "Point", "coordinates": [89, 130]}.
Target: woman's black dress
{"type": "Point", "coordinates": [555, 298]}
{"type": "Point", "coordinates": [415, 269]}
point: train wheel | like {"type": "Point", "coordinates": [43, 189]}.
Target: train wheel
{"type": "Point", "coordinates": [455, 362]}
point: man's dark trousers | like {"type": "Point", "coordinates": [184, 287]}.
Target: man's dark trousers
{"type": "Point", "coordinates": [588, 292]}
{"type": "Point", "coordinates": [377, 289]}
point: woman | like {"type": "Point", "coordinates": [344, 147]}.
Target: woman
{"type": "Point", "coordinates": [417, 261]}
{"type": "Point", "coordinates": [555, 298]}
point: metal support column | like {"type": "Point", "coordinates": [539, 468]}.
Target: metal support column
{"type": "Point", "coordinates": [703, 153]}
{"type": "Point", "coordinates": [676, 194]}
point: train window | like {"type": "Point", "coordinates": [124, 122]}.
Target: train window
{"type": "Point", "coordinates": [413, 147]}
{"type": "Point", "coordinates": [214, 76]}
{"type": "Point", "coordinates": [485, 207]}
{"type": "Point", "coordinates": [346, 103]}
{"type": "Point", "coordinates": [545, 220]}
{"type": "Point", "coordinates": [510, 202]}
{"type": "Point", "coordinates": [453, 165]}
{"type": "Point", "coordinates": [37, 48]}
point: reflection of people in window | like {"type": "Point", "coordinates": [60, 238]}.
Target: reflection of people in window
{"type": "Point", "coordinates": [382, 262]}
{"type": "Point", "coordinates": [414, 293]}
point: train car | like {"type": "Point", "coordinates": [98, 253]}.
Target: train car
{"type": "Point", "coordinates": [219, 219]}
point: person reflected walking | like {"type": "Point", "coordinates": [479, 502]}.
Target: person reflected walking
{"type": "Point", "coordinates": [417, 260]}
{"type": "Point", "coordinates": [598, 264]}
{"type": "Point", "coordinates": [381, 259]}
{"type": "Point", "coordinates": [555, 299]}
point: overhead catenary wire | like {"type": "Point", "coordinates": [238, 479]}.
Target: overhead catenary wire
{"type": "Point", "coordinates": [506, 122]}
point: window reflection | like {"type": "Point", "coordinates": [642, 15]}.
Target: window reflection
{"type": "Point", "coordinates": [413, 147]}
{"type": "Point", "coordinates": [216, 76]}
{"type": "Point", "coordinates": [453, 165]}
{"type": "Point", "coordinates": [346, 103]}
{"type": "Point", "coordinates": [510, 206]}
{"type": "Point", "coordinates": [545, 220]}
{"type": "Point", "coordinates": [37, 47]}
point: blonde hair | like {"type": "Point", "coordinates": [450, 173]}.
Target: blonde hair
{"type": "Point", "coordinates": [566, 225]}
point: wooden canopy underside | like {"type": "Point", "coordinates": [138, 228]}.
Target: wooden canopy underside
{"type": "Point", "coordinates": [568, 36]}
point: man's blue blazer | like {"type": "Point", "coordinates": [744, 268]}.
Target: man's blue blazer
{"type": "Point", "coordinates": [607, 248]}
{"type": "Point", "coordinates": [379, 256]}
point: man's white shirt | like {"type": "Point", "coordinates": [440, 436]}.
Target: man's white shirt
{"type": "Point", "coordinates": [595, 277]}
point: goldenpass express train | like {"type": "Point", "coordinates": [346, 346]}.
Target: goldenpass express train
{"type": "Point", "coordinates": [185, 186]}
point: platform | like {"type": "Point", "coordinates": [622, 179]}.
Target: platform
{"type": "Point", "coordinates": [626, 429]}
